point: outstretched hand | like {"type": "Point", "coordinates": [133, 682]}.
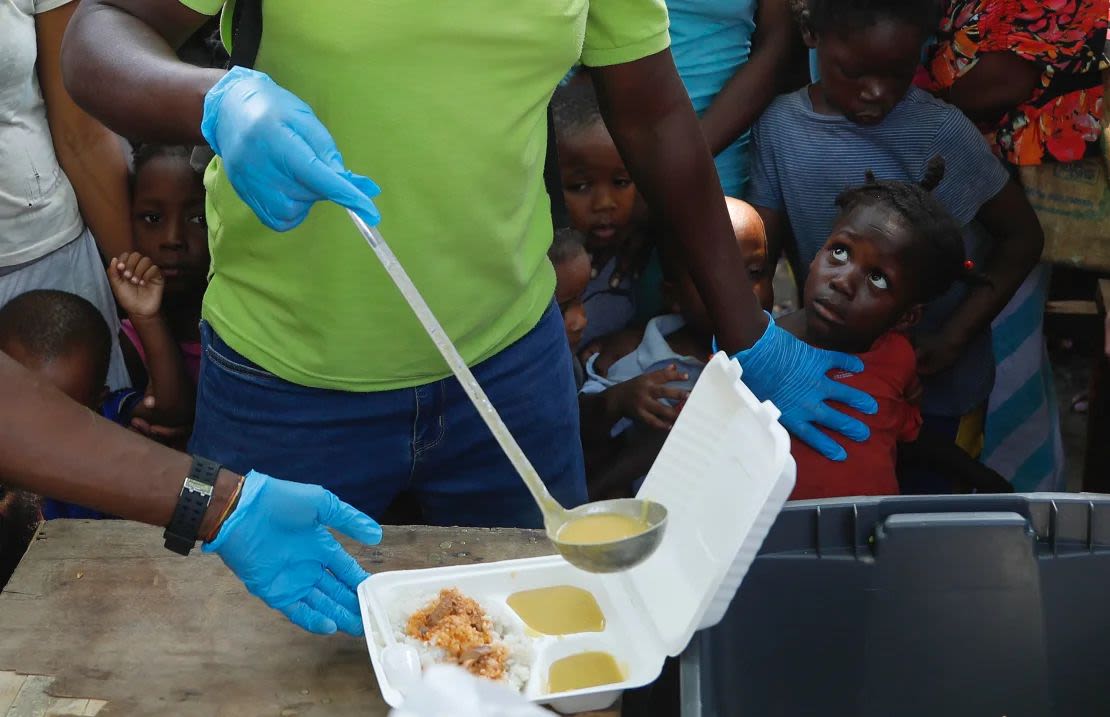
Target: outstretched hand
{"type": "Point", "coordinates": [277, 542]}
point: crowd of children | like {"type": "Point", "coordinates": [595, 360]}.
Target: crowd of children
{"type": "Point", "coordinates": [905, 235]}
{"type": "Point", "coordinates": [158, 288]}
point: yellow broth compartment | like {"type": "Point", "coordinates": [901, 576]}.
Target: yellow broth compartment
{"type": "Point", "coordinates": [558, 610]}
{"type": "Point", "coordinates": [584, 667]}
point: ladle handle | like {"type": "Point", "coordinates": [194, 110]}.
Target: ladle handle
{"type": "Point", "coordinates": [548, 505]}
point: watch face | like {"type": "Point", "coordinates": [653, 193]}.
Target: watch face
{"type": "Point", "coordinates": [197, 486]}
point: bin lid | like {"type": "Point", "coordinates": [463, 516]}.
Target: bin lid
{"type": "Point", "coordinates": [723, 474]}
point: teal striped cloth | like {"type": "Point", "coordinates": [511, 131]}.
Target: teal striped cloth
{"type": "Point", "coordinates": [1022, 439]}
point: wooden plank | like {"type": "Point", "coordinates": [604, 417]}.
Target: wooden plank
{"type": "Point", "coordinates": [103, 610]}
{"type": "Point", "coordinates": [1102, 295]}
{"type": "Point", "coordinates": [1072, 307]}
{"type": "Point", "coordinates": [10, 685]}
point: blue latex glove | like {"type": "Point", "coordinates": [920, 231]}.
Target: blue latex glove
{"type": "Point", "coordinates": [277, 154]}
{"type": "Point", "coordinates": [276, 541]}
{"type": "Point", "coordinates": [792, 375]}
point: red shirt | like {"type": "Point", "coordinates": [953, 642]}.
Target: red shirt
{"type": "Point", "coordinates": [890, 372]}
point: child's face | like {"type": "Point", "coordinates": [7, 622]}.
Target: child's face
{"type": "Point", "coordinates": [751, 236]}
{"type": "Point", "coordinates": [598, 189]}
{"type": "Point", "coordinates": [168, 223]}
{"type": "Point", "coordinates": [571, 277]}
{"type": "Point", "coordinates": [747, 227]}
{"type": "Point", "coordinates": [77, 374]}
{"type": "Point", "coordinates": [867, 71]}
{"type": "Point", "coordinates": [859, 286]}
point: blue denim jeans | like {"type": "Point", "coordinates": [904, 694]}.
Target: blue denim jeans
{"type": "Point", "coordinates": [429, 440]}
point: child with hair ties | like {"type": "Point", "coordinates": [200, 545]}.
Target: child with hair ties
{"type": "Point", "coordinates": [863, 114]}
{"type": "Point", "coordinates": [892, 250]}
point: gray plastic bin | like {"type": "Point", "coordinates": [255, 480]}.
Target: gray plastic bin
{"type": "Point", "coordinates": [986, 606]}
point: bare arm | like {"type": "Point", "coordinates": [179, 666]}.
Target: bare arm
{"type": "Point", "coordinates": [650, 118]}
{"type": "Point", "coordinates": [91, 156]}
{"type": "Point", "coordinates": [174, 397]}
{"type": "Point", "coordinates": [119, 64]}
{"type": "Point", "coordinates": [999, 82]}
{"type": "Point", "coordinates": [744, 97]}
{"type": "Point", "coordinates": [1019, 240]}
{"type": "Point", "coordinates": [52, 446]}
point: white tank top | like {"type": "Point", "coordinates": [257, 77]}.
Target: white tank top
{"type": "Point", "coordinates": [38, 209]}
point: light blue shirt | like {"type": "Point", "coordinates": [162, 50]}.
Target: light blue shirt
{"type": "Point", "coordinates": [710, 40]}
{"type": "Point", "coordinates": [653, 354]}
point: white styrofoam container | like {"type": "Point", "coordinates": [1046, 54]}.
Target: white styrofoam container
{"type": "Point", "coordinates": [723, 474]}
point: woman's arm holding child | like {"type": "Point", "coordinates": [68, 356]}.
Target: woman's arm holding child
{"type": "Point", "coordinates": [138, 284]}
{"type": "Point", "coordinates": [1013, 224]}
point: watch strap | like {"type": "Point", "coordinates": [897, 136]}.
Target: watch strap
{"type": "Point", "coordinates": [192, 503]}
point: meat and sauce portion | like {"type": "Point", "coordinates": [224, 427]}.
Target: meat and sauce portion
{"type": "Point", "coordinates": [460, 627]}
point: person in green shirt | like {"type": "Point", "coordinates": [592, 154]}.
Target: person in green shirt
{"type": "Point", "coordinates": [313, 364]}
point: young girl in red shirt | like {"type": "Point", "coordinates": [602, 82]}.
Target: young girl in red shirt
{"type": "Point", "coordinates": [893, 249]}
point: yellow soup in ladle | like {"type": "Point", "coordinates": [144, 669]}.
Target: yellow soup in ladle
{"type": "Point", "coordinates": [601, 528]}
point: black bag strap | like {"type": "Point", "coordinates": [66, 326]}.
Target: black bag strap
{"type": "Point", "coordinates": [246, 32]}
{"type": "Point", "coordinates": [246, 36]}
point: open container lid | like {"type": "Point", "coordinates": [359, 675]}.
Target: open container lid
{"type": "Point", "coordinates": [723, 474]}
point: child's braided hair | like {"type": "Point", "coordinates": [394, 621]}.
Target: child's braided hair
{"type": "Point", "coordinates": [939, 246]}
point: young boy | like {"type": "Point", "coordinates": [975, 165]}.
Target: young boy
{"type": "Point", "coordinates": [637, 382]}
{"type": "Point", "coordinates": [572, 274]}
{"type": "Point", "coordinates": [600, 198]}
{"type": "Point", "coordinates": [864, 115]}
{"type": "Point", "coordinates": [64, 339]}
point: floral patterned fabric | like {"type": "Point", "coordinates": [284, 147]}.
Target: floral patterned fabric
{"type": "Point", "coordinates": [1064, 38]}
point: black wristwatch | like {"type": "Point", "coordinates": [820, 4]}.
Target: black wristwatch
{"type": "Point", "coordinates": [196, 494]}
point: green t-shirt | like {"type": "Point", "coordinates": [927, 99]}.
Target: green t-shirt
{"type": "Point", "coordinates": [443, 104]}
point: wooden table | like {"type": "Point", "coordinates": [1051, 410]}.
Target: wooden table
{"type": "Point", "coordinates": [99, 618]}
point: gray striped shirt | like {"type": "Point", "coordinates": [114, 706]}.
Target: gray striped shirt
{"type": "Point", "coordinates": [802, 160]}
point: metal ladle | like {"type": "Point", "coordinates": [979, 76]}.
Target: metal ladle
{"type": "Point", "coordinates": [605, 557]}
